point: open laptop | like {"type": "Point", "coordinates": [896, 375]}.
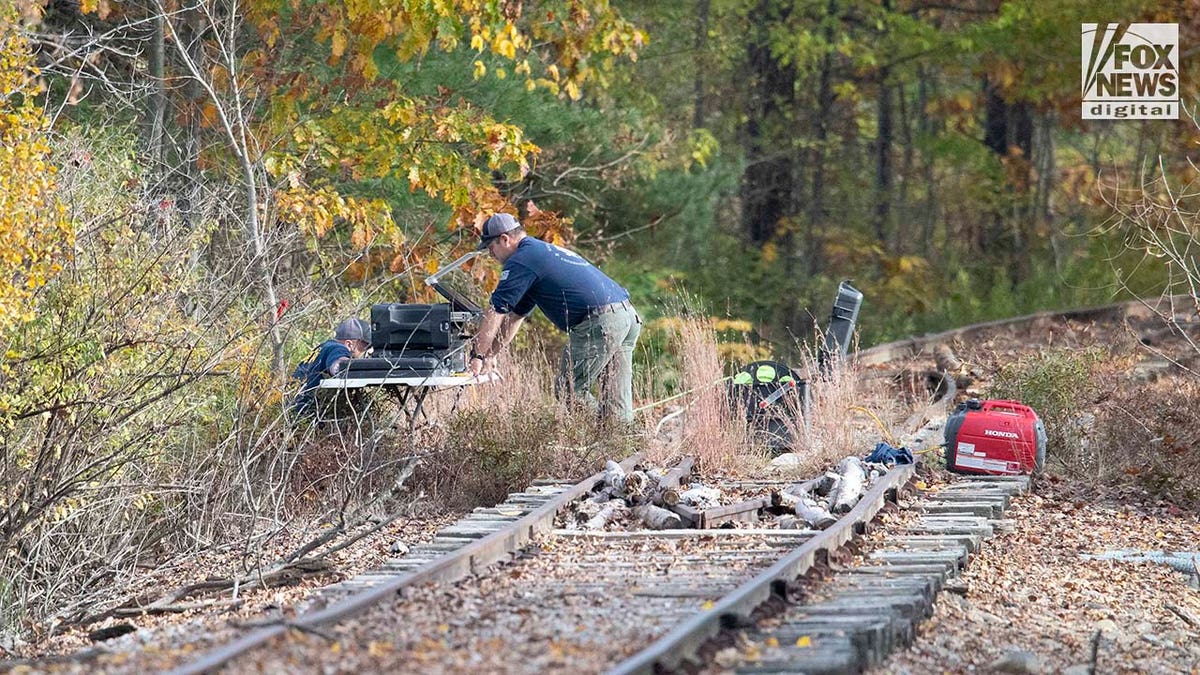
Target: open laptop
{"type": "Point", "coordinates": [459, 300]}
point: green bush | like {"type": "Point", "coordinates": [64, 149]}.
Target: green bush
{"type": "Point", "coordinates": [1061, 385]}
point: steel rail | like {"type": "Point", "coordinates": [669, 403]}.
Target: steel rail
{"type": "Point", "coordinates": [914, 346]}
{"type": "Point", "coordinates": [469, 559]}
{"type": "Point", "coordinates": [682, 643]}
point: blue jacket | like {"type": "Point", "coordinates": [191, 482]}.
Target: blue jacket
{"type": "Point", "coordinates": [314, 370]}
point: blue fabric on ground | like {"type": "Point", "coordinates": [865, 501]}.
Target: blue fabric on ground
{"type": "Point", "coordinates": [886, 454]}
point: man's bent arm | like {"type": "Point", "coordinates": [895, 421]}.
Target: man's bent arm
{"type": "Point", "coordinates": [489, 330]}
{"type": "Point", "coordinates": [496, 330]}
{"type": "Point", "coordinates": [508, 330]}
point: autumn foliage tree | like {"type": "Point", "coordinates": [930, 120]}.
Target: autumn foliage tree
{"type": "Point", "coordinates": [35, 234]}
{"type": "Point", "coordinates": [342, 120]}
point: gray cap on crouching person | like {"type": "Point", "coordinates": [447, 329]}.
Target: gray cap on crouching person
{"type": "Point", "coordinates": [353, 329]}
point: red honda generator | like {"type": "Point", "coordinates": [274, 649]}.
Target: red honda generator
{"type": "Point", "coordinates": [996, 438]}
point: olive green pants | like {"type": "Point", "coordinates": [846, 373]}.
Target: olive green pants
{"type": "Point", "coordinates": [602, 346]}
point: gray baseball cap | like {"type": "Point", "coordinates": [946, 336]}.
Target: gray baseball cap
{"type": "Point", "coordinates": [496, 226]}
{"type": "Point", "coordinates": [353, 329]}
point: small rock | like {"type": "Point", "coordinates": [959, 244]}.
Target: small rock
{"type": "Point", "coordinates": [398, 548]}
{"type": "Point", "coordinates": [788, 460]}
{"type": "Point", "coordinates": [786, 522]}
{"type": "Point", "coordinates": [1018, 661]}
{"type": "Point", "coordinates": [1078, 669]}
{"type": "Point", "coordinates": [957, 587]}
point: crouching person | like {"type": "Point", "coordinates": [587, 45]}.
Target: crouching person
{"type": "Point", "coordinates": [351, 340]}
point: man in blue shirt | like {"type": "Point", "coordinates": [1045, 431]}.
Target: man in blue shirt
{"type": "Point", "coordinates": [350, 340]}
{"type": "Point", "coordinates": [602, 326]}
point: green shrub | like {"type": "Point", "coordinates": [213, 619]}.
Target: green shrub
{"type": "Point", "coordinates": [1062, 385]}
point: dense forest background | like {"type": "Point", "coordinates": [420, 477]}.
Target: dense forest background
{"type": "Point", "coordinates": [751, 154]}
{"type": "Point", "coordinates": [193, 192]}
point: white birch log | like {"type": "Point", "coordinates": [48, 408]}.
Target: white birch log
{"type": "Point", "coordinates": [656, 518]}
{"type": "Point", "coordinates": [812, 513]}
{"type": "Point", "coordinates": [850, 488]}
{"type": "Point", "coordinates": [611, 511]}
{"type": "Point", "coordinates": [666, 497]}
{"type": "Point", "coordinates": [787, 522]}
{"type": "Point", "coordinates": [817, 487]}
{"type": "Point", "coordinates": [665, 485]}
{"type": "Point", "coordinates": [804, 506]}
{"type": "Point", "coordinates": [587, 509]}
{"type": "Point", "coordinates": [614, 477]}
{"type": "Point", "coordinates": [700, 496]}
{"type": "Point", "coordinates": [786, 498]}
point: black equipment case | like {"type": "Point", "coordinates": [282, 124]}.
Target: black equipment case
{"type": "Point", "coordinates": [419, 340]}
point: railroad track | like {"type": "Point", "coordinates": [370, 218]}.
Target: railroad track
{"type": "Point", "coordinates": [671, 598]}
{"type": "Point", "coordinates": [486, 536]}
{"type": "Point", "coordinates": [652, 580]}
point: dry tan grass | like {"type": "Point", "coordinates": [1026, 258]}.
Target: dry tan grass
{"type": "Point", "coordinates": [1149, 434]}
{"type": "Point", "coordinates": [714, 432]}
{"type": "Point", "coordinates": [703, 423]}
{"type": "Point", "coordinates": [845, 416]}
{"type": "Point", "coordinates": [507, 433]}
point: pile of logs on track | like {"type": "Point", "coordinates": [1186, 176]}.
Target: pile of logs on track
{"type": "Point", "coordinates": [737, 607]}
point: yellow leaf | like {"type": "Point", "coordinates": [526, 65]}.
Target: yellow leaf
{"type": "Point", "coordinates": [480, 69]}
{"type": "Point", "coordinates": [771, 641]}
{"type": "Point", "coordinates": [708, 604]}
{"type": "Point", "coordinates": [804, 641]}
{"type": "Point", "coordinates": [366, 64]}
{"type": "Point", "coordinates": [338, 45]}
{"type": "Point", "coordinates": [770, 253]}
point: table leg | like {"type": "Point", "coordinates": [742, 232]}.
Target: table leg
{"type": "Point", "coordinates": [412, 401]}
{"type": "Point", "coordinates": [418, 406]}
